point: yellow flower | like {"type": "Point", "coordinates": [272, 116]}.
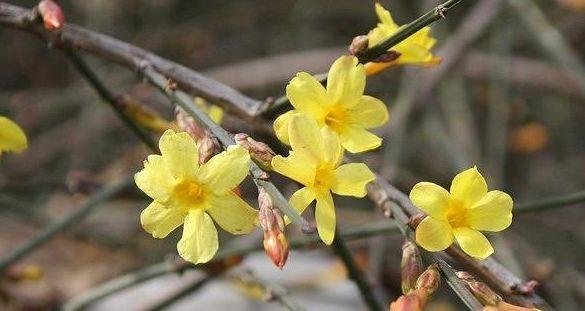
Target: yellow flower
{"type": "Point", "coordinates": [192, 195]}
{"type": "Point", "coordinates": [461, 214]}
{"type": "Point", "coordinates": [341, 107]}
{"type": "Point", "coordinates": [12, 137]}
{"type": "Point", "coordinates": [214, 112]}
{"type": "Point", "coordinates": [314, 162]}
{"type": "Point", "coordinates": [416, 49]}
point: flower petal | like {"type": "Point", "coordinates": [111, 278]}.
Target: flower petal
{"type": "Point", "coordinates": [325, 217]}
{"type": "Point", "coordinates": [155, 179]}
{"type": "Point", "coordinates": [468, 187]}
{"type": "Point", "coordinates": [180, 154]}
{"type": "Point", "coordinates": [431, 199]}
{"type": "Point", "coordinates": [307, 95]}
{"type": "Point", "coordinates": [281, 126]}
{"type": "Point", "coordinates": [300, 200]}
{"type": "Point", "coordinates": [346, 81]}
{"type": "Point", "coordinates": [384, 15]}
{"type": "Point", "coordinates": [434, 235]}
{"type": "Point", "coordinates": [492, 213]}
{"type": "Point", "coordinates": [199, 241]}
{"type": "Point", "coordinates": [333, 151]}
{"type": "Point", "coordinates": [233, 214]}
{"type": "Point", "coordinates": [351, 179]}
{"type": "Point", "coordinates": [295, 167]}
{"type": "Point", "coordinates": [369, 113]}
{"type": "Point", "coordinates": [357, 140]}
{"type": "Point", "coordinates": [159, 220]}
{"type": "Point", "coordinates": [305, 138]}
{"type": "Point", "coordinates": [12, 137]}
{"type": "Point", "coordinates": [473, 242]}
{"type": "Point", "coordinates": [225, 171]}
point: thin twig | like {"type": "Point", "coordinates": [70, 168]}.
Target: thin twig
{"type": "Point", "coordinates": [356, 275]}
{"type": "Point", "coordinates": [185, 101]}
{"type": "Point", "coordinates": [181, 293]}
{"type": "Point", "coordinates": [272, 291]}
{"type": "Point", "coordinates": [116, 285]}
{"type": "Point", "coordinates": [106, 193]}
{"type": "Point", "coordinates": [108, 97]}
{"type": "Point", "coordinates": [551, 203]}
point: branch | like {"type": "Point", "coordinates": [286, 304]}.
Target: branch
{"type": "Point", "coordinates": [132, 57]}
{"type": "Point", "coordinates": [273, 291]}
{"type": "Point", "coordinates": [181, 293]}
{"type": "Point", "coordinates": [106, 193]}
{"type": "Point", "coordinates": [184, 101]}
{"type": "Point", "coordinates": [550, 203]}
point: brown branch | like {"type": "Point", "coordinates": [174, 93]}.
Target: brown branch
{"type": "Point", "coordinates": [132, 57]}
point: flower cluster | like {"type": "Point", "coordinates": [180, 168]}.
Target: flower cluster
{"type": "Point", "coordinates": [12, 137]}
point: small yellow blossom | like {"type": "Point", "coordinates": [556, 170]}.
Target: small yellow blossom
{"type": "Point", "coordinates": [415, 49]}
{"type": "Point", "coordinates": [192, 195]}
{"type": "Point", "coordinates": [461, 214]}
{"type": "Point", "coordinates": [342, 107]}
{"type": "Point", "coordinates": [214, 112]}
{"type": "Point", "coordinates": [314, 162]}
{"type": "Point", "coordinates": [12, 137]}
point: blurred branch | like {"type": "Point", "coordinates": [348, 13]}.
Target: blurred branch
{"type": "Point", "coordinates": [551, 203]}
{"type": "Point", "coordinates": [272, 291]}
{"type": "Point", "coordinates": [185, 101]}
{"type": "Point", "coordinates": [154, 271]}
{"type": "Point", "coordinates": [181, 293]}
{"type": "Point", "coordinates": [355, 274]}
{"type": "Point", "coordinates": [132, 57]}
{"type": "Point", "coordinates": [106, 193]}
{"type": "Point", "coordinates": [109, 98]}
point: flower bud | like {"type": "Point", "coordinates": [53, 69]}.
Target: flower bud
{"type": "Point", "coordinates": [143, 115]}
{"type": "Point", "coordinates": [415, 220]}
{"type": "Point", "coordinates": [52, 15]}
{"type": "Point", "coordinates": [410, 266]}
{"type": "Point", "coordinates": [187, 124]}
{"type": "Point", "coordinates": [208, 147]}
{"type": "Point", "coordinates": [358, 44]}
{"type": "Point", "coordinates": [408, 302]}
{"type": "Point", "coordinates": [480, 290]}
{"type": "Point", "coordinates": [429, 281]}
{"type": "Point", "coordinates": [272, 222]}
{"type": "Point", "coordinates": [259, 151]}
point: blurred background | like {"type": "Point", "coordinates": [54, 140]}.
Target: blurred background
{"type": "Point", "coordinates": [509, 97]}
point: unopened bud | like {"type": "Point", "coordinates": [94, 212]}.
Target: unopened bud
{"type": "Point", "coordinates": [387, 57]}
{"type": "Point", "coordinates": [480, 290]}
{"type": "Point", "coordinates": [259, 151]}
{"type": "Point", "coordinates": [186, 123]}
{"type": "Point", "coordinates": [52, 15]}
{"type": "Point", "coordinates": [410, 266]}
{"type": "Point", "coordinates": [358, 45]}
{"type": "Point", "coordinates": [143, 115]}
{"type": "Point", "coordinates": [208, 147]}
{"type": "Point", "coordinates": [408, 302]}
{"type": "Point", "coordinates": [272, 222]}
{"type": "Point", "coordinates": [415, 220]}
{"type": "Point", "coordinates": [429, 280]}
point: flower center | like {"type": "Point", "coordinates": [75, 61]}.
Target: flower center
{"type": "Point", "coordinates": [189, 194]}
{"type": "Point", "coordinates": [336, 119]}
{"type": "Point", "coordinates": [323, 178]}
{"type": "Point", "coordinates": [457, 215]}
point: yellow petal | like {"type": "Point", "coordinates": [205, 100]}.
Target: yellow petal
{"type": "Point", "coordinates": [155, 179]}
{"type": "Point", "coordinates": [199, 241]}
{"type": "Point", "coordinates": [281, 126]}
{"type": "Point", "coordinates": [300, 200]}
{"type": "Point", "coordinates": [473, 242]}
{"type": "Point", "coordinates": [357, 140]}
{"type": "Point", "coordinates": [374, 68]}
{"type": "Point", "coordinates": [295, 167]}
{"type": "Point", "coordinates": [351, 179]}
{"type": "Point", "coordinates": [333, 151]}
{"type": "Point", "coordinates": [384, 15]}
{"type": "Point", "coordinates": [215, 113]}
{"type": "Point", "coordinates": [325, 217]}
{"type": "Point", "coordinates": [12, 137]}
{"type": "Point", "coordinates": [468, 187]}
{"type": "Point", "coordinates": [225, 171]}
{"type": "Point", "coordinates": [307, 95]}
{"type": "Point", "coordinates": [305, 138]}
{"type": "Point", "coordinates": [434, 235]}
{"type": "Point", "coordinates": [346, 81]}
{"type": "Point", "coordinates": [159, 220]}
{"type": "Point", "coordinates": [180, 154]}
{"type": "Point", "coordinates": [431, 199]}
{"type": "Point", "coordinates": [233, 214]}
{"type": "Point", "coordinates": [492, 213]}
{"type": "Point", "coordinates": [369, 113]}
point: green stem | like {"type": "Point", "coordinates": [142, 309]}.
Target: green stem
{"type": "Point", "coordinates": [551, 203]}
{"type": "Point", "coordinates": [355, 274]}
{"type": "Point", "coordinates": [184, 101]}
